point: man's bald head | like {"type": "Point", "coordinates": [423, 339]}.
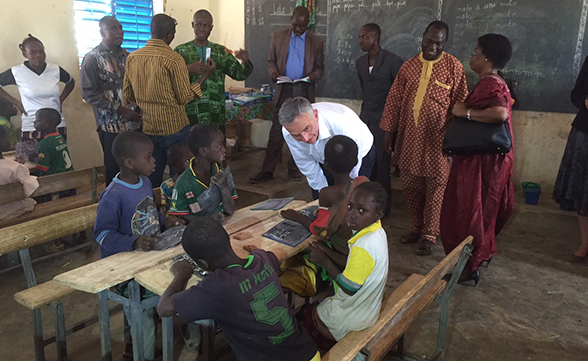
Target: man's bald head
{"type": "Point", "coordinates": [163, 27]}
{"type": "Point", "coordinates": [300, 18]}
{"type": "Point", "coordinates": [301, 11]}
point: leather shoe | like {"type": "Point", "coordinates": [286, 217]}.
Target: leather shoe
{"type": "Point", "coordinates": [295, 175]}
{"type": "Point", "coordinates": [261, 177]}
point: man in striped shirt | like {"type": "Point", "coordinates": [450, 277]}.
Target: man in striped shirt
{"type": "Point", "coordinates": [157, 79]}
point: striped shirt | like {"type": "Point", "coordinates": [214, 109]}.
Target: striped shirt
{"type": "Point", "coordinates": [157, 80]}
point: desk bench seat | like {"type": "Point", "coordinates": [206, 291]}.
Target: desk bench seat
{"type": "Point", "coordinates": [42, 294]}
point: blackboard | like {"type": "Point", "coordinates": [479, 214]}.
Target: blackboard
{"type": "Point", "coordinates": [547, 36]}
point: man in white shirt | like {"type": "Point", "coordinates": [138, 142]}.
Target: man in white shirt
{"type": "Point", "coordinates": [308, 127]}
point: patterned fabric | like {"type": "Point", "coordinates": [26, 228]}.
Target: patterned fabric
{"type": "Point", "coordinates": [255, 111]}
{"type": "Point", "coordinates": [419, 104]}
{"type": "Point", "coordinates": [157, 80]}
{"type": "Point", "coordinates": [479, 198]}
{"type": "Point", "coordinates": [309, 4]}
{"type": "Point", "coordinates": [102, 76]}
{"type": "Point", "coordinates": [167, 188]}
{"type": "Point", "coordinates": [210, 109]}
{"type": "Point", "coordinates": [424, 198]}
{"type": "Point", "coordinates": [571, 185]}
{"type": "Point", "coordinates": [53, 155]}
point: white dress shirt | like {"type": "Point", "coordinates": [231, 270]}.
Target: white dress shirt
{"type": "Point", "coordinates": [333, 119]}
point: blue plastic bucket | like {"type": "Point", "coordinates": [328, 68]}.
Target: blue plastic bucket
{"type": "Point", "coordinates": [531, 192]}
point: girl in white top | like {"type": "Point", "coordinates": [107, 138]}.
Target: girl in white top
{"type": "Point", "coordinates": [38, 85]}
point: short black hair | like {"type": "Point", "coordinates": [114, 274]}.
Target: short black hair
{"type": "Point", "coordinates": [438, 24]}
{"type": "Point", "coordinates": [175, 151]}
{"type": "Point", "coordinates": [27, 40]}
{"type": "Point", "coordinates": [341, 154]}
{"type": "Point", "coordinates": [104, 21]}
{"type": "Point", "coordinates": [374, 28]}
{"type": "Point", "coordinates": [377, 191]}
{"type": "Point", "coordinates": [301, 10]}
{"type": "Point", "coordinates": [203, 12]}
{"type": "Point", "coordinates": [161, 25]}
{"type": "Point", "coordinates": [50, 115]}
{"type": "Point", "coordinates": [201, 136]}
{"type": "Point", "coordinates": [206, 239]}
{"type": "Point", "coordinates": [497, 49]}
{"type": "Point", "coordinates": [127, 144]}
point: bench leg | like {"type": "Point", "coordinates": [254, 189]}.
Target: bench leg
{"type": "Point", "coordinates": [60, 331]}
{"type": "Point", "coordinates": [167, 330]}
{"type": "Point", "coordinates": [104, 319]}
{"type": "Point", "coordinates": [38, 335]}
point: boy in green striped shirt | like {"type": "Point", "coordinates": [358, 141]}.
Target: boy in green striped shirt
{"type": "Point", "coordinates": [53, 155]}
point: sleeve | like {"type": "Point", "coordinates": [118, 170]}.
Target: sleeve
{"type": "Point", "coordinates": [357, 269]}
{"type": "Point", "coordinates": [356, 129]}
{"type": "Point", "coordinates": [272, 64]}
{"type": "Point", "coordinates": [273, 260]}
{"type": "Point", "coordinates": [29, 182]}
{"type": "Point", "coordinates": [44, 158]}
{"type": "Point", "coordinates": [64, 76]}
{"type": "Point", "coordinates": [234, 68]}
{"type": "Point", "coordinates": [319, 61]}
{"type": "Point", "coordinates": [184, 302]}
{"type": "Point", "coordinates": [7, 78]}
{"type": "Point", "coordinates": [320, 223]}
{"type": "Point", "coordinates": [578, 95]}
{"type": "Point", "coordinates": [391, 113]}
{"type": "Point", "coordinates": [165, 194]}
{"type": "Point", "coordinates": [490, 92]}
{"type": "Point", "coordinates": [107, 226]}
{"type": "Point", "coordinates": [90, 81]}
{"type": "Point", "coordinates": [128, 92]}
{"type": "Point", "coordinates": [459, 92]}
{"type": "Point", "coordinates": [359, 74]}
{"type": "Point", "coordinates": [306, 163]}
{"type": "Point", "coordinates": [179, 203]}
{"type": "Point", "coordinates": [180, 83]}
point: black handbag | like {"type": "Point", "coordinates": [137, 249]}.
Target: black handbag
{"type": "Point", "coordinates": [465, 137]}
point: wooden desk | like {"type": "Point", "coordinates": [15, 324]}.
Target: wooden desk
{"type": "Point", "coordinates": [99, 276]}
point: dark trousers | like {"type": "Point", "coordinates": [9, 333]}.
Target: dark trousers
{"type": "Point", "coordinates": [381, 161]}
{"type": "Point", "coordinates": [106, 139]}
{"type": "Point", "coordinates": [273, 154]}
{"type": "Point", "coordinates": [160, 145]}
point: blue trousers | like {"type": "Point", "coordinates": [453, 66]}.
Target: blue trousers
{"type": "Point", "coordinates": [160, 145]}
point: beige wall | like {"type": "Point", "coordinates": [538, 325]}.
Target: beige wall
{"type": "Point", "coordinates": [539, 137]}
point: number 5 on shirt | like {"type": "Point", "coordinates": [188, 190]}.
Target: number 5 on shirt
{"type": "Point", "coordinates": [277, 314]}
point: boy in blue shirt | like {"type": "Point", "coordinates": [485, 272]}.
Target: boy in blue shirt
{"type": "Point", "coordinates": [127, 218]}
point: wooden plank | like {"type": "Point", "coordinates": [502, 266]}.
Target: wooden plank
{"type": "Point", "coordinates": [25, 235]}
{"type": "Point", "coordinates": [157, 278]}
{"type": "Point", "coordinates": [42, 294]}
{"type": "Point", "coordinates": [380, 345]}
{"type": "Point", "coordinates": [49, 208]}
{"type": "Point", "coordinates": [53, 183]}
{"type": "Point", "coordinates": [110, 271]}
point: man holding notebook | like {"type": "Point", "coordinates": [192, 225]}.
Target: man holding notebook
{"type": "Point", "coordinates": [297, 54]}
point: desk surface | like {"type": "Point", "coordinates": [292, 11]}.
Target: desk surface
{"type": "Point", "coordinates": [157, 278]}
{"type": "Point", "coordinates": [108, 272]}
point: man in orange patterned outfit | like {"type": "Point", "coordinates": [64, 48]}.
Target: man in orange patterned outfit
{"type": "Point", "coordinates": [419, 106]}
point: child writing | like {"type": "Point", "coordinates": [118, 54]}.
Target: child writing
{"type": "Point", "coordinates": [179, 156]}
{"type": "Point", "coordinates": [207, 143]}
{"type": "Point", "coordinates": [357, 301]}
{"type": "Point", "coordinates": [11, 172]}
{"type": "Point", "coordinates": [243, 296]}
{"type": "Point", "coordinates": [127, 218]}
{"type": "Point", "coordinates": [53, 155]}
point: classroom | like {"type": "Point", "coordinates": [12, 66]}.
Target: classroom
{"type": "Point", "coordinates": [528, 304]}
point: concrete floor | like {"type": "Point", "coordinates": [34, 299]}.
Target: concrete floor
{"type": "Point", "coordinates": [529, 305]}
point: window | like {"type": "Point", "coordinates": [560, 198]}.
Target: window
{"type": "Point", "coordinates": [134, 15]}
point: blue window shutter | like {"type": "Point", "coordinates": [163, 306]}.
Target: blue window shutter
{"type": "Point", "coordinates": [135, 17]}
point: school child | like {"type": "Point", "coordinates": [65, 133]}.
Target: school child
{"type": "Point", "coordinates": [11, 172]}
{"type": "Point", "coordinates": [243, 296]}
{"type": "Point", "coordinates": [299, 275]}
{"type": "Point", "coordinates": [179, 156]}
{"type": "Point", "coordinates": [127, 218]}
{"type": "Point", "coordinates": [53, 155]}
{"type": "Point", "coordinates": [207, 143]}
{"type": "Point", "coordinates": [357, 301]}
{"type": "Point", "coordinates": [7, 111]}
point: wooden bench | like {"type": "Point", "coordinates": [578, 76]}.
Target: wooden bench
{"type": "Point", "coordinates": [401, 308]}
{"type": "Point", "coordinates": [85, 181]}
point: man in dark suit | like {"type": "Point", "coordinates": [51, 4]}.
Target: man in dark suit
{"type": "Point", "coordinates": [295, 53]}
{"type": "Point", "coordinates": [376, 70]}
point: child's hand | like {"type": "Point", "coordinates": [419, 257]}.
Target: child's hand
{"type": "Point", "coordinates": [316, 255]}
{"type": "Point", "coordinates": [145, 243]}
{"type": "Point", "coordinates": [220, 179]}
{"type": "Point", "coordinates": [181, 269]}
{"type": "Point", "coordinates": [250, 248]}
{"type": "Point", "coordinates": [290, 214]}
{"type": "Point", "coordinates": [219, 217]}
{"type": "Point", "coordinates": [173, 221]}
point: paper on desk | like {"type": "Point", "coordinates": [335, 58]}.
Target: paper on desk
{"type": "Point", "coordinates": [288, 232]}
{"type": "Point", "coordinates": [272, 204]}
{"type": "Point", "coordinates": [170, 238]}
{"type": "Point", "coordinates": [284, 79]}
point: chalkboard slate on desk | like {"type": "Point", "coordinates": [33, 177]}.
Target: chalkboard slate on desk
{"type": "Point", "coordinates": [547, 37]}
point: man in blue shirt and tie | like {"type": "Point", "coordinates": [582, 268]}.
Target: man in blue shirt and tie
{"type": "Point", "coordinates": [296, 54]}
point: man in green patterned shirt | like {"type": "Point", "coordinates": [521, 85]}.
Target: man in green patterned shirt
{"type": "Point", "coordinates": [211, 107]}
